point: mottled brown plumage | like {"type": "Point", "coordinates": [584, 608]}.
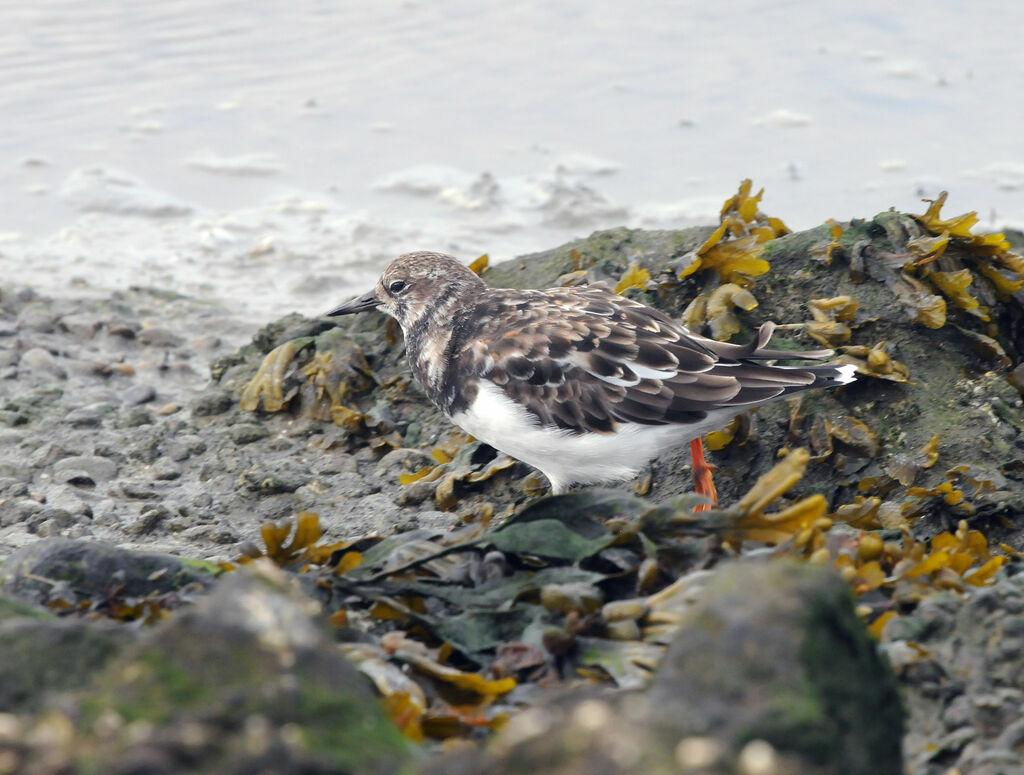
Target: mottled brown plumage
{"type": "Point", "coordinates": [578, 360]}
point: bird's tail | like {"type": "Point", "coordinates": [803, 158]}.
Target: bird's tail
{"type": "Point", "coordinates": [755, 349]}
{"type": "Point", "coordinates": [831, 376]}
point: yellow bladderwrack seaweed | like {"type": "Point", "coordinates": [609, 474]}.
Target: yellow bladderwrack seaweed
{"type": "Point", "coordinates": [696, 312]}
{"type": "Point", "coordinates": [735, 257]}
{"type": "Point", "coordinates": [269, 380]}
{"type": "Point", "coordinates": [718, 440]}
{"type": "Point", "coordinates": [875, 362]}
{"type": "Point", "coordinates": [1005, 286]}
{"type": "Point", "coordinates": [823, 250]}
{"type": "Point", "coordinates": [831, 316]}
{"type": "Point", "coordinates": [423, 474]}
{"type": "Point", "coordinates": [719, 312]}
{"type": "Point", "coordinates": [959, 226]}
{"type": "Point", "coordinates": [634, 277]}
{"type": "Point", "coordinates": [955, 553]}
{"type": "Point", "coordinates": [303, 548]}
{"type": "Point", "coordinates": [836, 308]}
{"type": "Point", "coordinates": [803, 521]}
{"type": "Point", "coordinates": [954, 285]}
{"type": "Point", "coordinates": [928, 249]}
{"type": "Point", "coordinates": [349, 419]}
{"type": "Point", "coordinates": [734, 249]}
{"type": "Point", "coordinates": [478, 266]}
{"type": "Point", "coordinates": [1004, 269]}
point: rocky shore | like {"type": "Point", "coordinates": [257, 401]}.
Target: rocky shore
{"type": "Point", "coordinates": [141, 458]}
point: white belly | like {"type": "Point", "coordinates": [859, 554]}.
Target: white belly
{"type": "Point", "coordinates": [564, 457]}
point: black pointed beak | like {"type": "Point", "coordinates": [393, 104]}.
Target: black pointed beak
{"type": "Point", "coordinates": [359, 304]}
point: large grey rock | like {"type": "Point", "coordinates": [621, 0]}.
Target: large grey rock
{"type": "Point", "coordinates": [770, 672]}
{"type": "Point", "coordinates": [245, 681]}
{"type": "Point", "coordinates": [44, 654]}
{"type": "Point", "coordinates": [775, 652]}
{"type": "Point", "coordinates": [91, 570]}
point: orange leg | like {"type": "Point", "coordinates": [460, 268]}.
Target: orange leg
{"type": "Point", "coordinates": [702, 471]}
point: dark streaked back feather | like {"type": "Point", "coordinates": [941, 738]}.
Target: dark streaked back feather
{"type": "Point", "coordinates": [584, 359]}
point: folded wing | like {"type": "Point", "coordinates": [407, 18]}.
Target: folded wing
{"type": "Point", "coordinates": [586, 360]}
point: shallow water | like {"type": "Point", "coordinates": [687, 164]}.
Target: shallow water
{"type": "Point", "coordinates": [273, 156]}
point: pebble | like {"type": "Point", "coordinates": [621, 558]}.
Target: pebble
{"type": "Point", "coordinates": [159, 337]}
{"type": "Point", "coordinates": [38, 317]}
{"type": "Point", "coordinates": [8, 436]}
{"type": "Point", "coordinates": [183, 447]}
{"type": "Point", "coordinates": [83, 326]}
{"type": "Point", "coordinates": [89, 416]}
{"type": "Point", "coordinates": [96, 468]}
{"type": "Point", "coordinates": [136, 417]}
{"type": "Point", "coordinates": [164, 470]}
{"type": "Point", "coordinates": [19, 511]}
{"type": "Point", "coordinates": [148, 521]}
{"type": "Point", "coordinates": [139, 394]}
{"type": "Point", "coordinates": [124, 329]}
{"type": "Point", "coordinates": [247, 433]}
{"type": "Point", "coordinates": [137, 490]}
{"type": "Point", "coordinates": [211, 402]}
{"type": "Point", "coordinates": [41, 361]}
{"type": "Point", "coordinates": [283, 479]}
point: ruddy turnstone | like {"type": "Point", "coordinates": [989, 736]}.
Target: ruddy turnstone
{"type": "Point", "coordinates": [580, 383]}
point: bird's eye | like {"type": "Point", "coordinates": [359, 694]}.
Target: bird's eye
{"type": "Point", "coordinates": [397, 286]}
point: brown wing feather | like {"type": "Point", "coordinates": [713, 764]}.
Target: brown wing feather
{"type": "Point", "coordinates": [586, 359]}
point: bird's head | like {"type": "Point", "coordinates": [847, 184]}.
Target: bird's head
{"type": "Point", "coordinates": [415, 285]}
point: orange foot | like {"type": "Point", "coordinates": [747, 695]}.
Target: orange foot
{"type": "Point", "coordinates": [702, 479]}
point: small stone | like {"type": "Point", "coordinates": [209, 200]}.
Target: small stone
{"type": "Point", "coordinates": [10, 436]}
{"type": "Point", "coordinates": [182, 448]}
{"type": "Point", "coordinates": [136, 417]}
{"type": "Point", "coordinates": [96, 469]}
{"type": "Point", "coordinates": [123, 329]}
{"type": "Point", "coordinates": [37, 316]}
{"type": "Point", "coordinates": [148, 521]}
{"type": "Point", "coordinates": [105, 513]}
{"type": "Point", "coordinates": [89, 416]}
{"type": "Point", "coordinates": [82, 326]}
{"type": "Point", "coordinates": [273, 482]}
{"type": "Point", "coordinates": [20, 511]}
{"type": "Point", "coordinates": [59, 517]}
{"type": "Point", "coordinates": [139, 394]}
{"type": "Point", "coordinates": [159, 337]}
{"type": "Point", "coordinates": [137, 490]}
{"type": "Point", "coordinates": [247, 433]}
{"type": "Point", "coordinates": [212, 402]}
{"type": "Point", "coordinates": [167, 409]}
{"type": "Point", "coordinates": [166, 471]}
{"type": "Point", "coordinates": [41, 361]}
{"type": "Point", "coordinates": [48, 528]}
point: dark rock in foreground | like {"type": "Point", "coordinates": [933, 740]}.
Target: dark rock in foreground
{"type": "Point", "coordinates": [771, 665]}
{"type": "Point", "coordinates": [74, 570]}
{"type": "Point", "coordinates": [244, 681]}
